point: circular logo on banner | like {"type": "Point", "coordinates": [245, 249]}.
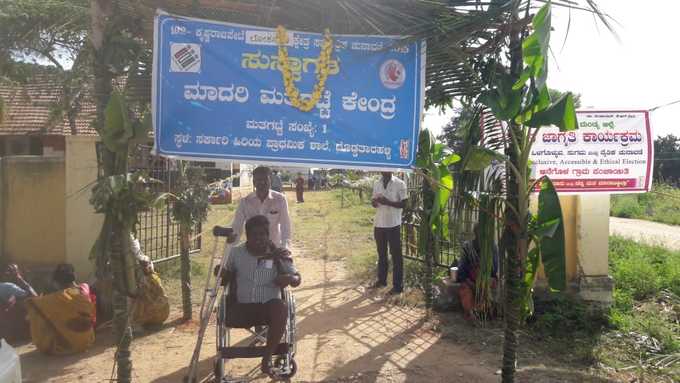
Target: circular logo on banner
{"type": "Point", "coordinates": [392, 74]}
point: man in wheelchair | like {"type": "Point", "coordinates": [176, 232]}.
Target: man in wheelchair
{"type": "Point", "coordinates": [257, 270]}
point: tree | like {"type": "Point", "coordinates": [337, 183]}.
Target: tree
{"type": "Point", "coordinates": [116, 51]}
{"type": "Point", "coordinates": [53, 36]}
{"type": "Point", "coordinates": [121, 196]}
{"type": "Point", "coordinates": [190, 207]}
{"type": "Point", "coordinates": [433, 160]}
{"type": "Point", "coordinates": [666, 157]}
{"type": "Point", "coordinates": [518, 97]}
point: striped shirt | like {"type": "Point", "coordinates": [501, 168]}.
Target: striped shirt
{"type": "Point", "coordinates": [255, 276]}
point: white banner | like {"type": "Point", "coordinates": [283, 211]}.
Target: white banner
{"type": "Point", "coordinates": [611, 152]}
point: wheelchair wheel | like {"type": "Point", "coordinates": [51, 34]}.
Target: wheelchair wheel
{"type": "Point", "coordinates": [218, 370]}
{"type": "Point", "coordinates": [293, 369]}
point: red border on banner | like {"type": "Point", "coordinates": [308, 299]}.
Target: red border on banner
{"type": "Point", "coordinates": [650, 148]}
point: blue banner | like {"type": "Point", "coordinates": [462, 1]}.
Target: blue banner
{"type": "Point", "coordinates": [219, 94]}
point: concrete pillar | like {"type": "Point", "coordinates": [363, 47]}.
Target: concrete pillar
{"type": "Point", "coordinates": [592, 244]}
{"type": "Point", "coordinates": [82, 223]}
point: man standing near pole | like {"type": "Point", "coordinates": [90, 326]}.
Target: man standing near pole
{"type": "Point", "coordinates": [389, 198]}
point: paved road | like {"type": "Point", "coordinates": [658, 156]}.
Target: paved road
{"type": "Point", "coordinates": [646, 231]}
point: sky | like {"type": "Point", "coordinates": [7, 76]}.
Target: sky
{"type": "Point", "coordinates": [638, 70]}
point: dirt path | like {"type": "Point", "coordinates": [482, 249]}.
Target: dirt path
{"type": "Point", "coordinates": [652, 233]}
{"type": "Point", "coordinates": [344, 335]}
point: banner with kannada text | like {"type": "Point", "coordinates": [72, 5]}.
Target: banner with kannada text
{"type": "Point", "coordinates": [219, 94]}
{"type": "Point", "coordinates": [610, 152]}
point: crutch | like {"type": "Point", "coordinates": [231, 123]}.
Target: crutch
{"type": "Point", "coordinates": [210, 294]}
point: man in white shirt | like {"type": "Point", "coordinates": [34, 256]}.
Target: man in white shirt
{"type": "Point", "coordinates": [389, 198]}
{"type": "Point", "coordinates": [266, 202]}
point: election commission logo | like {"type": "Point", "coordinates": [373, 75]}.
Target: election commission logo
{"type": "Point", "coordinates": [185, 57]}
{"type": "Point", "coordinates": [392, 74]}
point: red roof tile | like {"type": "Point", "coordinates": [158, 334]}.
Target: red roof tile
{"type": "Point", "coordinates": [28, 108]}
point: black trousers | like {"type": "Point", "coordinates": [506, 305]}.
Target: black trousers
{"type": "Point", "coordinates": [391, 236]}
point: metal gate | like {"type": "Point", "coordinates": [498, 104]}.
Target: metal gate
{"type": "Point", "coordinates": [448, 249]}
{"type": "Point", "coordinates": [158, 233]}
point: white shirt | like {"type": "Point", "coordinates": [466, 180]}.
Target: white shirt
{"type": "Point", "coordinates": [274, 207]}
{"type": "Point", "coordinates": [388, 216]}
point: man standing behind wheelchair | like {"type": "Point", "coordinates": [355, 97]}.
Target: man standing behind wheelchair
{"type": "Point", "coordinates": [257, 271]}
{"type": "Point", "coordinates": [267, 202]}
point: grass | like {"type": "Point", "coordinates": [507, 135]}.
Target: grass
{"type": "Point", "coordinates": [639, 334]}
{"type": "Point", "coordinates": [328, 227]}
{"type": "Point", "coordinates": [662, 204]}
{"type": "Point", "coordinates": [647, 293]}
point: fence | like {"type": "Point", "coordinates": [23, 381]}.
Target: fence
{"type": "Point", "coordinates": [459, 228]}
{"type": "Point", "coordinates": [157, 231]}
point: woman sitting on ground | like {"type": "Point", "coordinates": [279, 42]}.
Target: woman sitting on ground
{"type": "Point", "coordinates": [468, 272]}
{"type": "Point", "coordinates": [63, 322]}
{"type": "Point", "coordinates": [14, 290]}
{"type": "Point", "coordinates": [151, 307]}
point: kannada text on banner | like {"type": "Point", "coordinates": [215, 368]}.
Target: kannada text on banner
{"type": "Point", "coordinates": [610, 152]}
{"type": "Point", "coordinates": [219, 94]}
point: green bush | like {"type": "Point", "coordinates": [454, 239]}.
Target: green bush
{"type": "Point", "coordinates": [626, 207]}
{"type": "Point", "coordinates": [662, 204]}
{"type": "Point", "coordinates": [672, 276]}
{"type": "Point", "coordinates": [640, 273]}
{"type": "Point", "coordinates": [642, 270]}
{"type": "Point", "coordinates": [657, 327]}
{"type": "Point", "coordinates": [623, 300]}
{"type": "Point", "coordinates": [565, 317]}
{"type": "Point", "coordinates": [637, 277]}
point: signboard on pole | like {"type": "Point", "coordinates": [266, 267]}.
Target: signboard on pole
{"type": "Point", "coordinates": [219, 94]}
{"type": "Point", "coordinates": [610, 152]}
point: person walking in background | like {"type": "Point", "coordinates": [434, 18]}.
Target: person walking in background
{"type": "Point", "coordinates": [389, 198]}
{"type": "Point", "coordinates": [277, 184]}
{"type": "Point", "coordinates": [300, 188]}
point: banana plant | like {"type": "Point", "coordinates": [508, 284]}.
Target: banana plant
{"type": "Point", "coordinates": [546, 234]}
{"type": "Point", "coordinates": [120, 196]}
{"type": "Point", "coordinates": [432, 161]}
{"type": "Point", "coordinates": [517, 96]}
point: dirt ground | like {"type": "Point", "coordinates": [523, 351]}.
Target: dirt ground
{"type": "Point", "coordinates": [345, 334]}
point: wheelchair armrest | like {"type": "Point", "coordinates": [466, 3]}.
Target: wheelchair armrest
{"type": "Point", "coordinates": [221, 231]}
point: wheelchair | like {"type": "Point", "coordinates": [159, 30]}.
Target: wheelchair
{"type": "Point", "coordinates": [283, 357]}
